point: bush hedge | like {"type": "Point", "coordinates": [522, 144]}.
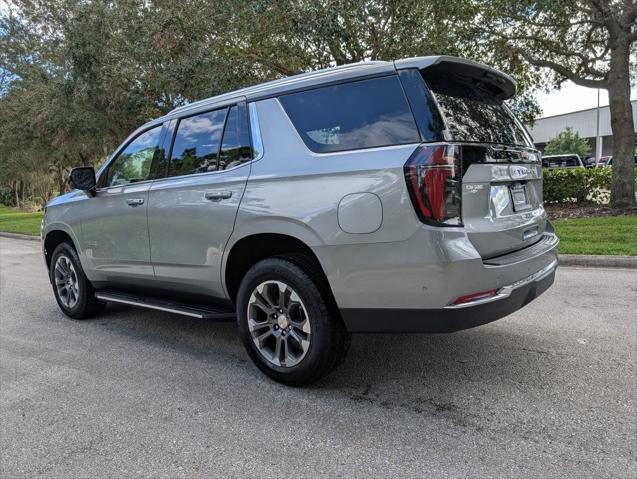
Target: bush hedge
{"type": "Point", "coordinates": [581, 185]}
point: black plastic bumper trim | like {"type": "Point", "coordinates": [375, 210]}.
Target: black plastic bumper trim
{"type": "Point", "coordinates": [441, 320]}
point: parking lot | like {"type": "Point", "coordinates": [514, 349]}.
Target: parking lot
{"type": "Point", "coordinates": [547, 392]}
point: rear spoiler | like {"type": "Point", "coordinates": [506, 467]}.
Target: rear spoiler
{"type": "Point", "coordinates": [501, 84]}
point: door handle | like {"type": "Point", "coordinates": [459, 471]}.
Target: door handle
{"type": "Point", "coordinates": [135, 202]}
{"type": "Point", "coordinates": [218, 195]}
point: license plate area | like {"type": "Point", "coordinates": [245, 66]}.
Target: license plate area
{"type": "Point", "coordinates": [519, 197]}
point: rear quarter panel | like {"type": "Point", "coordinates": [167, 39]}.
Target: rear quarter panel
{"type": "Point", "coordinates": [294, 191]}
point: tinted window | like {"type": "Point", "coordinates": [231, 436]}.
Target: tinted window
{"type": "Point", "coordinates": [235, 147]}
{"type": "Point", "coordinates": [363, 114]}
{"type": "Point", "coordinates": [141, 160]}
{"type": "Point", "coordinates": [475, 114]}
{"type": "Point", "coordinates": [197, 142]}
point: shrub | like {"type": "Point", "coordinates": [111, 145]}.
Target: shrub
{"type": "Point", "coordinates": [581, 185]}
{"type": "Point", "coordinates": [7, 196]}
{"type": "Point", "coordinates": [568, 141]}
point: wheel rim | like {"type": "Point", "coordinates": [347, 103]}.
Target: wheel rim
{"type": "Point", "coordinates": [279, 324]}
{"type": "Point", "coordinates": [66, 283]}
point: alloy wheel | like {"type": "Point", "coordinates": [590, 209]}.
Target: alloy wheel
{"type": "Point", "coordinates": [66, 283]}
{"type": "Point", "coordinates": [279, 324]}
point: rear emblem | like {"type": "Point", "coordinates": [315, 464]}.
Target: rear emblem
{"type": "Point", "coordinates": [518, 172]}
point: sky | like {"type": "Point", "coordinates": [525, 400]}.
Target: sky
{"type": "Point", "coordinates": [572, 98]}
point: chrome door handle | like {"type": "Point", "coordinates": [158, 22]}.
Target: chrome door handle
{"type": "Point", "coordinates": [135, 202]}
{"type": "Point", "coordinates": [218, 195]}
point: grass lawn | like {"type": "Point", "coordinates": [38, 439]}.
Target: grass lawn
{"type": "Point", "coordinates": [13, 220]}
{"type": "Point", "coordinates": [610, 235]}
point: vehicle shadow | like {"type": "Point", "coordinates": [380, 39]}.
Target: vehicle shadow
{"type": "Point", "coordinates": [379, 367]}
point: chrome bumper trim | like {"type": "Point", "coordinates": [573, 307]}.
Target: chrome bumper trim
{"type": "Point", "coordinates": [505, 291]}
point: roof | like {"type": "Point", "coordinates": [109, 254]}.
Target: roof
{"type": "Point", "coordinates": [448, 64]}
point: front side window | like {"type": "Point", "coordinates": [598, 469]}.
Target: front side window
{"type": "Point", "coordinates": [141, 160]}
{"type": "Point", "coordinates": [360, 114]}
{"type": "Point", "coordinates": [197, 142]}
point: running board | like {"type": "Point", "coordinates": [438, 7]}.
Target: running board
{"type": "Point", "coordinates": [194, 311]}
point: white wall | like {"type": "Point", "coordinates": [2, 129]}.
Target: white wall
{"type": "Point", "coordinates": [584, 122]}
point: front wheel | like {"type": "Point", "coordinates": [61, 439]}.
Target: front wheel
{"type": "Point", "coordinates": [287, 322]}
{"type": "Point", "coordinates": [73, 291]}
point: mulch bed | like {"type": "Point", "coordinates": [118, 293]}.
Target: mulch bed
{"type": "Point", "coordinates": [579, 211]}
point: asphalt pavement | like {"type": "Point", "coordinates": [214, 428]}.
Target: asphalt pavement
{"type": "Point", "coordinates": [549, 391]}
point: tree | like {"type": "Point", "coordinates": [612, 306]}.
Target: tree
{"type": "Point", "coordinates": [76, 76]}
{"type": "Point", "coordinates": [568, 141]}
{"type": "Point", "coordinates": [589, 42]}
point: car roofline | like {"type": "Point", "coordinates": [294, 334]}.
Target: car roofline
{"type": "Point", "coordinates": [348, 72]}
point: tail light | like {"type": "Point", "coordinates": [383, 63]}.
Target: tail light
{"type": "Point", "coordinates": [434, 180]}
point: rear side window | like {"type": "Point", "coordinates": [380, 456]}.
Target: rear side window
{"type": "Point", "coordinates": [235, 147]}
{"type": "Point", "coordinates": [473, 113]}
{"type": "Point", "coordinates": [197, 142]}
{"type": "Point", "coordinates": [361, 114]}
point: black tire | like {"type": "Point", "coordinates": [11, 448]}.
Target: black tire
{"type": "Point", "coordinates": [85, 306]}
{"type": "Point", "coordinates": [329, 339]}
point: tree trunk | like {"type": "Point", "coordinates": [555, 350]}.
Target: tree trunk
{"type": "Point", "coordinates": [622, 192]}
{"type": "Point", "coordinates": [61, 180]}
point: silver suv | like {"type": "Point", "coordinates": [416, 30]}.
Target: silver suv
{"type": "Point", "coordinates": [376, 197]}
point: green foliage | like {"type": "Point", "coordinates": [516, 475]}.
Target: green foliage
{"type": "Point", "coordinates": [581, 185]}
{"type": "Point", "coordinates": [76, 76]}
{"type": "Point", "coordinates": [7, 197]}
{"type": "Point", "coordinates": [568, 141]}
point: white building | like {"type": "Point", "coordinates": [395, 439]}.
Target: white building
{"type": "Point", "coordinates": [585, 123]}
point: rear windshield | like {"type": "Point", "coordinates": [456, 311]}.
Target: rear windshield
{"type": "Point", "coordinates": [474, 114]}
{"type": "Point", "coordinates": [349, 116]}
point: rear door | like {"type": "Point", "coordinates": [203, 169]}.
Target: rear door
{"type": "Point", "coordinates": [192, 211]}
{"type": "Point", "coordinates": [502, 178]}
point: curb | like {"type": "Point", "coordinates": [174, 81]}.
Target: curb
{"type": "Point", "coordinates": [19, 236]}
{"type": "Point", "coordinates": [595, 261]}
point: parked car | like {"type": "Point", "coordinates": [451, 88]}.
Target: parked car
{"type": "Point", "coordinates": [377, 197]}
{"type": "Point", "coordinates": [602, 161]}
{"type": "Point", "coordinates": [589, 162]}
{"type": "Point", "coordinates": [562, 161]}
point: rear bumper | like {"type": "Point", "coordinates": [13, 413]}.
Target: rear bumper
{"type": "Point", "coordinates": [509, 299]}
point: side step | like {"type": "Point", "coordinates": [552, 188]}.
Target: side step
{"type": "Point", "coordinates": [194, 311]}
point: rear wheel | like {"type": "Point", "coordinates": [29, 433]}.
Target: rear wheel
{"type": "Point", "coordinates": [73, 291]}
{"type": "Point", "coordinates": [289, 326]}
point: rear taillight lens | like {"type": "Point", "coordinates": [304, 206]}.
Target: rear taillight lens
{"type": "Point", "coordinates": [434, 180]}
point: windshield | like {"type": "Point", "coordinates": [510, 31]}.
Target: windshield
{"type": "Point", "coordinates": [560, 161]}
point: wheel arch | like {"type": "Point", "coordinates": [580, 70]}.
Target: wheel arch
{"type": "Point", "coordinates": [252, 248]}
{"type": "Point", "coordinates": [52, 238]}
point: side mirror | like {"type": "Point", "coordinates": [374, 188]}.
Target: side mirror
{"type": "Point", "coordinates": [83, 178]}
